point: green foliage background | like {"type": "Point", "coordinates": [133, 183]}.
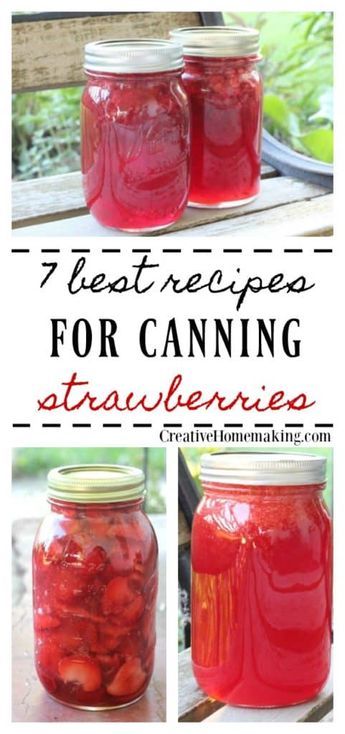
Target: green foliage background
{"type": "Point", "coordinates": [298, 72]}
{"type": "Point", "coordinates": [36, 462]}
{"type": "Point", "coordinates": [297, 67]}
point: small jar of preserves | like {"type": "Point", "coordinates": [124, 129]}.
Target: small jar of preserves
{"type": "Point", "coordinates": [261, 579]}
{"type": "Point", "coordinates": [135, 134]}
{"type": "Point", "coordinates": [94, 588]}
{"type": "Point", "coordinates": [225, 92]}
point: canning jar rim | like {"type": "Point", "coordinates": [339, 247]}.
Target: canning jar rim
{"type": "Point", "coordinates": [257, 469]}
{"type": "Point", "coordinates": [95, 483]}
{"type": "Point", "coordinates": [133, 56]}
{"type": "Point", "coordinates": [219, 41]}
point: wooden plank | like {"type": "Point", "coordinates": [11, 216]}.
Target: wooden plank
{"type": "Point", "coordinates": [275, 193]}
{"type": "Point", "coordinates": [58, 197]}
{"type": "Point", "coordinates": [46, 199]}
{"type": "Point", "coordinates": [310, 218]}
{"type": "Point", "coordinates": [328, 717]}
{"type": "Point", "coordinates": [194, 705]}
{"type": "Point", "coordinates": [50, 53]}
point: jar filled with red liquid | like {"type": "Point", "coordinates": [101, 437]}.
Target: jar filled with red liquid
{"type": "Point", "coordinates": [135, 134]}
{"type": "Point", "coordinates": [225, 92]}
{"type": "Point", "coordinates": [261, 579]}
{"type": "Point", "coordinates": [94, 588]}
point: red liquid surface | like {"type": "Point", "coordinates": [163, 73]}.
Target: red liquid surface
{"type": "Point", "coordinates": [226, 110]}
{"type": "Point", "coordinates": [261, 596]}
{"type": "Point", "coordinates": [94, 592]}
{"type": "Point", "coordinates": [135, 149]}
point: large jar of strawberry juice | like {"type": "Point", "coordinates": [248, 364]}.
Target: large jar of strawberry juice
{"type": "Point", "coordinates": [261, 579]}
{"type": "Point", "coordinates": [95, 587]}
{"type": "Point", "coordinates": [225, 92]}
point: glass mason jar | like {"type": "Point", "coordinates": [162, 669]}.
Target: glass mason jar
{"type": "Point", "coordinates": [261, 579]}
{"type": "Point", "coordinates": [135, 134]}
{"type": "Point", "coordinates": [94, 588]}
{"type": "Point", "coordinates": [225, 92]}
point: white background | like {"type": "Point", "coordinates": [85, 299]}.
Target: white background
{"type": "Point", "coordinates": [28, 371]}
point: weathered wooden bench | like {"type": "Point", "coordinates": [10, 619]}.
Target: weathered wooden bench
{"type": "Point", "coordinates": [194, 705]}
{"type": "Point", "coordinates": [48, 53]}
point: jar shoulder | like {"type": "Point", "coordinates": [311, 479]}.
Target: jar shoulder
{"type": "Point", "coordinates": [232, 514]}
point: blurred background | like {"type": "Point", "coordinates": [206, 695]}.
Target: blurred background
{"type": "Point", "coordinates": [297, 64]}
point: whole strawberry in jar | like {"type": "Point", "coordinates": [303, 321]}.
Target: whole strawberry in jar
{"type": "Point", "coordinates": [94, 588]}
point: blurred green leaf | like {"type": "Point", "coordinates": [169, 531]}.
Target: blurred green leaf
{"type": "Point", "coordinates": [325, 111]}
{"type": "Point", "coordinates": [278, 111]}
{"type": "Point", "coordinates": [319, 144]}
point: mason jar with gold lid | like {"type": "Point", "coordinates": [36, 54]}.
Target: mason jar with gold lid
{"type": "Point", "coordinates": [94, 588]}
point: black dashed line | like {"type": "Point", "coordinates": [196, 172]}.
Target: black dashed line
{"type": "Point", "coordinates": [263, 425]}
{"type": "Point", "coordinates": [142, 425]}
{"type": "Point", "coordinates": [262, 250]}
{"type": "Point", "coordinates": [203, 425]}
{"type": "Point", "coordinates": [21, 425]}
{"type": "Point", "coordinates": [51, 425]}
{"type": "Point", "coordinates": [81, 425]}
{"type": "Point", "coordinates": [319, 250]}
{"type": "Point", "coordinates": [294, 425]}
{"type": "Point", "coordinates": [140, 250]}
{"type": "Point", "coordinates": [232, 250]}
{"type": "Point", "coordinates": [323, 425]}
{"type": "Point", "coordinates": [49, 250]}
{"type": "Point", "coordinates": [293, 249]}
{"type": "Point", "coordinates": [170, 251]}
{"type": "Point", "coordinates": [172, 425]}
{"type": "Point", "coordinates": [79, 250]}
{"type": "Point", "coordinates": [201, 250]}
{"type": "Point", "coordinates": [110, 249]}
{"type": "Point", "coordinates": [112, 425]}
{"type": "Point", "coordinates": [19, 250]}
{"type": "Point", "coordinates": [233, 425]}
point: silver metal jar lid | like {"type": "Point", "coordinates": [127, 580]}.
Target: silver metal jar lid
{"type": "Point", "coordinates": [256, 468]}
{"type": "Point", "coordinates": [218, 41]}
{"type": "Point", "coordinates": [94, 483]}
{"type": "Point", "coordinates": [133, 56]}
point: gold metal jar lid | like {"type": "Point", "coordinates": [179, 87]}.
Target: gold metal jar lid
{"type": "Point", "coordinates": [95, 483]}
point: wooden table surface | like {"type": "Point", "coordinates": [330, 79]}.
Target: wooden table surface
{"type": "Point", "coordinates": [54, 206]}
{"type": "Point", "coordinates": [29, 700]}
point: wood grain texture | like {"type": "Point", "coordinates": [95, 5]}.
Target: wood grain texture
{"type": "Point", "coordinates": [271, 205]}
{"type": "Point", "coordinates": [58, 197]}
{"type": "Point", "coordinates": [49, 54]}
{"type": "Point", "coordinates": [310, 218]}
{"type": "Point", "coordinates": [194, 705]}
